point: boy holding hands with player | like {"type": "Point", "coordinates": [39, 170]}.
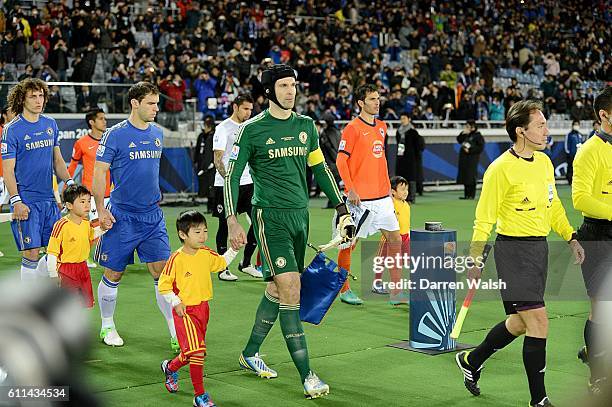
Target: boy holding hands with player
{"type": "Point", "coordinates": [186, 284]}
{"type": "Point", "coordinates": [70, 244]}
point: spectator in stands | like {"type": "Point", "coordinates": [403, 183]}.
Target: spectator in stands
{"type": "Point", "coordinates": [474, 40]}
{"type": "Point", "coordinates": [28, 73]}
{"type": "Point", "coordinates": [173, 87]}
{"type": "Point", "coordinates": [205, 87]}
{"type": "Point", "coordinates": [471, 145]}
{"type": "Point", "coordinates": [573, 141]}
{"type": "Point", "coordinates": [58, 59]}
{"type": "Point", "coordinates": [37, 54]}
{"type": "Point", "coordinates": [496, 110]}
{"type": "Point", "coordinates": [449, 76]}
{"type": "Point", "coordinates": [552, 65]}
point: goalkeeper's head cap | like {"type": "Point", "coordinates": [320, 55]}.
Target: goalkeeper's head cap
{"type": "Point", "coordinates": [273, 74]}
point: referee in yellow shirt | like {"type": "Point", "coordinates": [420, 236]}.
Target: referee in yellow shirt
{"type": "Point", "coordinates": [519, 196]}
{"type": "Point", "coordinates": [592, 195]}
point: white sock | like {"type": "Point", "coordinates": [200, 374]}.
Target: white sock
{"type": "Point", "coordinates": [41, 268]}
{"type": "Point", "coordinates": [166, 310]}
{"type": "Point", "coordinates": [28, 269]}
{"type": "Point", "coordinates": [107, 298]}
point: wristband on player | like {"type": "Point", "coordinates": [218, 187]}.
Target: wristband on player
{"type": "Point", "coordinates": [69, 182]}
{"type": "Point", "coordinates": [14, 199]}
{"type": "Point", "coordinates": [574, 237]}
{"type": "Point", "coordinates": [342, 209]}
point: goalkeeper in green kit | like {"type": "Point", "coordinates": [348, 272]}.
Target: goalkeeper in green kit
{"type": "Point", "coordinates": [278, 144]}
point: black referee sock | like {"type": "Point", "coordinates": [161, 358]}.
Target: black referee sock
{"type": "Point", "coordinates": [534, 359]}
{"type": "Point", "coordinates": [594, 352]}
{"type": "Point", "coordinates": [498, 338]}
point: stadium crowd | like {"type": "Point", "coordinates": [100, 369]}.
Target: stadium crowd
{"type": "Point", "coordinates": [466, 59]}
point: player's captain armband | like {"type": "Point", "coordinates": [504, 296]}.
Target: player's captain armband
{"type": "Point", "coordinates": [315, 157]}
{"type": "Point", "coordinates": [342, 145]}
{"type": "Point", "coordinates": [4, 148]}
{"type": "Point", "coordinates": [100, 151]}
{"type": "Point", "coordinates": [234, 153]}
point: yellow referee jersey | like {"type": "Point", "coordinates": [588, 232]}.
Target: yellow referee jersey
{"type": "Point", "coordinates": [519, 195]}
{"type": "Point", "coordinates": [188, 276]}
{"type": "Point", "coordinates": [592, 182]}
{"type": "Point", "coordinates": [70, 242]}
{"type": "Point", "coordinates": [402, 211]}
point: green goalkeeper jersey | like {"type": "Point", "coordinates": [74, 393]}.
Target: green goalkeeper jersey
{"type": "Point", "coordinates": [277, 152]}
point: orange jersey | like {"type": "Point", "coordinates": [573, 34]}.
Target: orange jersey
{"type": "Point", "coordinates": [361, 159]}
{"type": "Point", "coordinates": [84, 150]}
{"type": "Point", "coordinates": [188, 276]}
{"type": "Point", "coordinates": [70, 242]}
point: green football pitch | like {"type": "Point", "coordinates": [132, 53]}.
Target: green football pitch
{"type": "Point", "coordinates": [348, 350]}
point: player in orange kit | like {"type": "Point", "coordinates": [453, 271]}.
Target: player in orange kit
{"type": "Point", "coordinates": [362, 166]}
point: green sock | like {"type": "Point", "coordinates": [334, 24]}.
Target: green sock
{"type": "Point", "coordinates": [264, 320]}
{"type": "Point", "coordinates": [291, 326]}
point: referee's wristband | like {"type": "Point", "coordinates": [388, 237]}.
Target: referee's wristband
{"type": "Point", "coordinates": [574, 237]}
{"type": "Point", "coordinates": [14, 199]}
{"type": "Point", "coordinates": [69, 182]}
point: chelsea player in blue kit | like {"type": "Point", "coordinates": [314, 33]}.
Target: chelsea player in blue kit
{"type": "Point", "coordinates": [30, 154]}
{"type": "Point", "coordinates": [132, 149]}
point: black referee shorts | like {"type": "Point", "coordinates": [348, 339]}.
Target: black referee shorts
{"type": "Point", "coordinates": [245, 196]}
{"type": "Point", "coordinates": [522, 264]}
{"type": "Point", "coordinates": [595, 236]}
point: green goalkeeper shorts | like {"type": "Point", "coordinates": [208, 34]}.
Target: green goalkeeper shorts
{"type": "Point", "coordinates": [281, 235]}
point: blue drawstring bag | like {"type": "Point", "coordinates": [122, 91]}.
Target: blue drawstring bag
{"type": "Point", "coordinates": [320, 287]}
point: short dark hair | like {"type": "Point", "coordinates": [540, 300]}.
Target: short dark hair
{"type": "Point", "coordinates": [603, 101]}
{"type": "Point", "coordinates": [188, 219]}
{"type": "Point", "coordinates": [518, 115]}
{"type": "Point", "coordinates": [243, 98]}
{"type": "Point", "coordinates": [362, 91]}
{"type": "Point", "coordinates": [142, 89]}
{"type": "Point", "coordinates": [91, 115]}
{"type": "Point", "coordinates": [73, 192]}
{"type": "Point", "coordinates": [396, 181]}
{"type": "Point", "coordinates": [575, 122]}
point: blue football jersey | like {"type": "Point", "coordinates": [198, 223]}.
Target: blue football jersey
{"type": "Point", "coordinates": [31, 145]}
{"type": "Point", "coordinates": [134, 156]}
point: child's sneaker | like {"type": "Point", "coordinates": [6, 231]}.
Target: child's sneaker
{"type": "Point", "coordinates": [171, 377]}
{"type": "Point", "coordinates": [203, 400]}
